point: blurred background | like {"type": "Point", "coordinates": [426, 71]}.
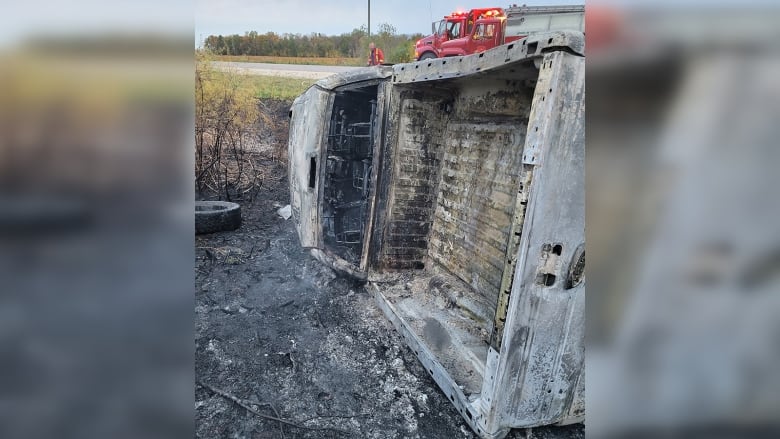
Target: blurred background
{"type": "Point", "coordinates": [96, 229]}
{"type": "Point", "coordinates": [682, 219]}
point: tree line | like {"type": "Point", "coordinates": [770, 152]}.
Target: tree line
{"type": "Point", "coordinates": [397, 48]}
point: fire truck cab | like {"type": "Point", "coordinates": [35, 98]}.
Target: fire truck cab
{"type": "Point", "coordinates": [475, 31]}
{"type": "Point", "coordinates": [483, 33]}
{"type": "Point", "coordinates": [454, 26]}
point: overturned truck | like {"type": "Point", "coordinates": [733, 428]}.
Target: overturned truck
{"type": "Point", "coordinates": [455, 188]}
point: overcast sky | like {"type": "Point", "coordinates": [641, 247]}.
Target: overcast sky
{"type": "Point", "coordinates": [330, 17]}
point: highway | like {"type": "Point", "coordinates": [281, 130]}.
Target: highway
{"type": "Point", "coordinates": [286, 70]}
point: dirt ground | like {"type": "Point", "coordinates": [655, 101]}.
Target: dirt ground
{"type": "Point", "coordinates": [287, 338]}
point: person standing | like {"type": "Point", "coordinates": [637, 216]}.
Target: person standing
{"type": "Point", "coordinates": [376, 56]}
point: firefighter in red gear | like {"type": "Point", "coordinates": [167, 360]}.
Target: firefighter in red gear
{"type": "Point", "coordinates": [376, 56]}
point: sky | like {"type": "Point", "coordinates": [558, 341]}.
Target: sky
{"type": "Point", "coordinates": [330, 17]}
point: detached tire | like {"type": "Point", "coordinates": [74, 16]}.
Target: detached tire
{"type": "Point", "coordinates": [216, 216]}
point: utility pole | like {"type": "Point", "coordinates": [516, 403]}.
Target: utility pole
{"type": "Point", "coordinates": [369, 19]}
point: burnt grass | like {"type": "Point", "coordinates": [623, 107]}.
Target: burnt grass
{"type": "Point", "coordinates": [288, 338]}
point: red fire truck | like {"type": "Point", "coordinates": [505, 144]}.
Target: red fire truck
{"type": "Point", "coordinates": [464, 33]}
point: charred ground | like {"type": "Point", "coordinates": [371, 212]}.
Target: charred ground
{"type": "Point", "coordinates": [283, 334]}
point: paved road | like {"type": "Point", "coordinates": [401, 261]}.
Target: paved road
{"type": "Point", "coordinates": [287, 70]}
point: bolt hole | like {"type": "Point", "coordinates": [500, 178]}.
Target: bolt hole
{"type": "Point", "coordinates": [557, 249]}
{"type": "Point", "coordinates": [313, 173]}
{"type": "Point", "coordinates": [545, 279]}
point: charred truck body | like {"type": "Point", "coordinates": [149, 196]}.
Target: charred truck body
{"type": "Point", "coordinates": [455, 188]}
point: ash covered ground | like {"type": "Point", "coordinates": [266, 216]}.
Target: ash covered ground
{"type": "Point", "coordinates": [288, 338]}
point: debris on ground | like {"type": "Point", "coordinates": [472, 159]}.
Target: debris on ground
{"type": "Point", "coordinates": [307, 351]}
{"type": "Point", "coordinates": [285, 212]}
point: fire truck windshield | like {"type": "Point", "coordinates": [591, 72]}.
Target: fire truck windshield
{"type": "Point", "coordinates": [454, 30]}
{"type": "Point", "coordinates": [440, 27]}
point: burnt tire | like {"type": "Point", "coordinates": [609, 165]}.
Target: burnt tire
{"type": "Point", "coordinates": [216, 216]}
{"type": "Point", "coordinates": [427, 55]}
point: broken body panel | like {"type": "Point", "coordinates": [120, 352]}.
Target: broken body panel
{"type": "Point", "coordinates": [456, 188]}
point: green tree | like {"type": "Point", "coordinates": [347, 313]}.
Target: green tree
{"type": "Point", "coordinates": [402, 53]}
{"type": "Point", "coordinates": [397, 48]}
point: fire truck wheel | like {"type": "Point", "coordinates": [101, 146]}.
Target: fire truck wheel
{"type": "Point", "coordinates": [216, 216]}
{"type": "Point", "coordinates": [427, 55]}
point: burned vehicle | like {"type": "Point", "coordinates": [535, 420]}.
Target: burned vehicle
{"type": "Point", "coordinates": [455, 189]}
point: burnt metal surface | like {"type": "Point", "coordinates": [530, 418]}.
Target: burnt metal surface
{"type": "Point", "coordinates": [350, 149]}
{"type": "Point", "coordinates": [459, 183]}
{"type": "Point", "coordinates": [544, 329]}
{"type": "Point", "coordinates": [304, 157]}
{"type": "Point", "coordinates": [307, 146]}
